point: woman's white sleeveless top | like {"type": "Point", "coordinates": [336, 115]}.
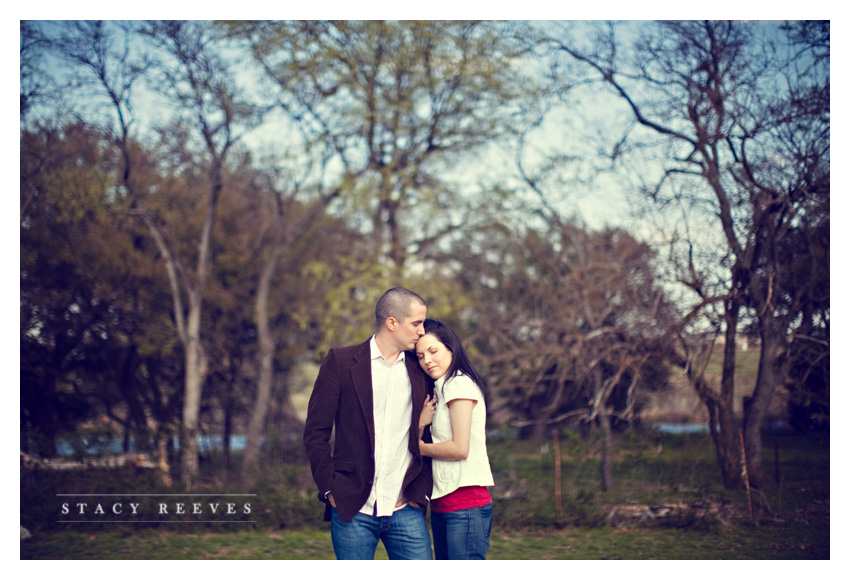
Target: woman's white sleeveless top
{"type": "Point", "coordinates": [475, 469]}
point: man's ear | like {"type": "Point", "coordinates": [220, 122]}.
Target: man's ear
{"type": "Point", "coordinates": [391, 323]}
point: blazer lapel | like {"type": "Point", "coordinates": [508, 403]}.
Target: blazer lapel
{"type": "Point", "coordinates": [361, 377]}
{"type": "Point", "coordinates": [417, 381]}
{"type": "Point", "coordinates": [418, 390]}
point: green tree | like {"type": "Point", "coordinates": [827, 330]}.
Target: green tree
{"type": "Point", "coordinates": [285, 222]}
{"type": "Point", "coordinates": [395, 104]}
{"type": "Point", "coordinates": [264, 300]}
{"type": "Point", "coordinates": [176, 186]}
{"type": "Point", "coordinates": [94, 335]}
{"type": "Point", "coordinates": [58, 306]}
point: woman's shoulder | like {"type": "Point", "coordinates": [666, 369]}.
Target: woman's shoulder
{"type": "Point", "coordinates": [461, 383]}
{"type": "Point", "coordinates": [461, 378]}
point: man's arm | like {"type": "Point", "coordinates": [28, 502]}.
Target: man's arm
{"type": "Point", "coordinates": [321, 412]}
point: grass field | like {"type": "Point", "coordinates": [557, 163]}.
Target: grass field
{"type": "Point", "coordinates": [806, 541]}
{"type": "Point", "coordinates": [668, 504]}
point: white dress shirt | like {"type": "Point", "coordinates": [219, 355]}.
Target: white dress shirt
{"type": "Point", "coordinates": [392, 408]}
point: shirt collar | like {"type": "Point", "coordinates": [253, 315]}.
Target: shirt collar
{"type": "Point", "coordinates": [375, 352]}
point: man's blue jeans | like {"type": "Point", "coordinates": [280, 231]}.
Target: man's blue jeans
{"type": "Point", "coordinates": [404, 534]}
{"type": "Point", "coordinates": [462, 535]}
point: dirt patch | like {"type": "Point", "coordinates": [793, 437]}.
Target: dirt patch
{"type": "Point", "coordinates": [712, 511]}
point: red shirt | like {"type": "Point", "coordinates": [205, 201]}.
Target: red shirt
{"type": "Point", "coordinates": [461, 499]}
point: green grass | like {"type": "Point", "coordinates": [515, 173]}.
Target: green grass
{"type": "Point", "coordinates": [620, 544]}
{"type": "Point", "coordinates": [807, 541]}
{"type": "Point", "coordinates": [792, 513]}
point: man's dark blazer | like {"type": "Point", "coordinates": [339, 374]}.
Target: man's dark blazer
{"type": "Point", "coordinates": [342, 399]}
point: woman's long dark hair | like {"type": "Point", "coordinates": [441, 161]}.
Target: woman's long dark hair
{"type": "Point", "coordinates": [460, 362]}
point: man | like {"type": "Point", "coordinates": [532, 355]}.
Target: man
{"type": "Point", "coordinates": [374, 481]}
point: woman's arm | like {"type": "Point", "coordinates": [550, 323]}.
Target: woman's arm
{"type": "Point", "coordinates": [460, 416]}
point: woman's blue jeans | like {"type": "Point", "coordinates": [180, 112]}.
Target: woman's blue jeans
{"type": "Point", "coordinates": [404, 534]}
{"type": "Point", "coordinates": [462, 535]}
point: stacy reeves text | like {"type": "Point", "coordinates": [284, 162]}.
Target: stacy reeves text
{"type": "Point", "coordinates": [155, 508]}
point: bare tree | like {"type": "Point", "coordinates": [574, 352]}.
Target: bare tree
{"type": "Point", "coordinates": [571, 328]}
{"type": "Point", "coordinates": [737, 114]}
{"type": "Point", "coordinates": [37, 86]}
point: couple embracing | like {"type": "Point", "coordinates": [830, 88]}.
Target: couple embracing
{"type": "Point", "coordinates": [406, 413]}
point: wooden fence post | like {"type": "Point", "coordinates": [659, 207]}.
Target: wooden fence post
{"type": "Point", "coordinates": [746, 476]}
{"type": "Point", "coordinates": [558, 505]}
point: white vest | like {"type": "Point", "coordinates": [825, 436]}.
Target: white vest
{"type": "Point", "coordinates": [475, 469]}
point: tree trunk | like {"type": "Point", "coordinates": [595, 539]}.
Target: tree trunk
{"type": "Point", "coordinates": [726, 440]}
{"type": "Point", "coordinates": [542, 413]}
{"type": "Point", "coordinates": [722, 424]}
{"type": "Point", "coordinates": [397, 250]}
{"type": "Point", "coordinates": [266, 360]}
{"type": "Point", "coordinates": [196, 370]}
{"type": "Point", "coordinates": [196, 361]}
{"type": "Point", "coordinates": [162, 459]}
{"type": "Point", "coordinates": [228, 430]}
{"type": "Point", "coordinates": [282, 237]}
{"type": "Point", "coordinates": [756, 407]}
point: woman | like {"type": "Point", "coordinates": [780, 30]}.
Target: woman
{"type": "Point", "coordinates": [461, 506]}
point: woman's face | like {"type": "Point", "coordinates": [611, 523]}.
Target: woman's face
{"type": "Point", "coordinates": [434, 358]}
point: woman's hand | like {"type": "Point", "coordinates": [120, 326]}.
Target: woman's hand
{"type": "Point", "coordinates": [428, 410]}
